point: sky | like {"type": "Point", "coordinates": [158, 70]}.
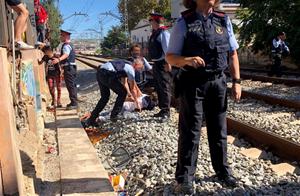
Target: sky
{"type": "Point", "coordinates": [79, 25]}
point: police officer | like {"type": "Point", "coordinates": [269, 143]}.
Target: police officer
{"type": "Point", "coordinates": [200, 44]}
{"type": "Point", "coordinates": [158, 44]}
{"type": "Point", "coordinates": [67, 61]}
{"type": "Point", "coordinates": [279, 48]}
{"type": "Point", "coordinates": [140, 75]}
{"type": "Point", "coordinates": [114, 75]}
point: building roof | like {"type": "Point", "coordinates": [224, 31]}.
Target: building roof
{"type": "Point", "coordinates": [142, 23]}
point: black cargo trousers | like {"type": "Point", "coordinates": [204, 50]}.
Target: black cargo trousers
{"type": "Point", "coordinates": [208, 96]}
{"type": "Point", "coordinates": [163, 84]}
{"type": "Point", "coordinates": [108, 80]}
{"type": "Point", "coordinates": [276, 66]}
{"type": "Point", "coordinates": [70, 72]}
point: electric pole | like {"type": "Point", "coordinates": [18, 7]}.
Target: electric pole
{"type": "Point", "coordinates": [126, 23]}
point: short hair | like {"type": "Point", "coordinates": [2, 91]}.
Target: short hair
{"type": "Point", "coordinates": [281, 33]}
{"type": "Point", "coordinates": [132, 47]}
{"type": "Point", "coordinates": [47, 48]}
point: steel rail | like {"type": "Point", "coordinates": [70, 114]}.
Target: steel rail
{"type": "Point", "coordinates": [280, 146]}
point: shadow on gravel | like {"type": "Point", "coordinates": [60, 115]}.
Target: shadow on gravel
{"type": "Point", "coordinates": [87, 80]}
{"type": "Point", "coordinates": [282, 188]}
{"type": "Point", "coordinates": [68, 123]}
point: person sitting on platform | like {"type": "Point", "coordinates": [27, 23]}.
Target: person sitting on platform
{"type": "Point", "coordinates": [20, 23]}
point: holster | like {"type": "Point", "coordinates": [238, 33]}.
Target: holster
{"type": "Point", "coordinates": [178, 84]}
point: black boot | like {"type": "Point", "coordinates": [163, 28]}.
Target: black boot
{"type": "Point", "coordinates": [163, 113]}
{"type": "Point", "coordinates": [228, 180]}
{"type": "Point", "coordinates": [184, 188]}
{"type": "Point", "coordinates": [88, 123]}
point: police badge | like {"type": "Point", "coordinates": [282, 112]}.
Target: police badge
{"type": "Point", "coordinates": [219, 30]}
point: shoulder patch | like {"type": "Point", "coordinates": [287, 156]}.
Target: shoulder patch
{"type": "Point", "coordinates": [219, 13]}
{"type": "Point", "coordinates": [187, 13]}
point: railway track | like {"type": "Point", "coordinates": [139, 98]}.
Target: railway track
{"type": "Point", "coordinates": [97, 59]}
{"type": "Point", "coordinates": [246, 94]}
{"type": "Point", "coordinates": [250, 69]}
{"type": "Point", "coordinates": [275, 80]}
{"type": "Point", "coordinates": [284, 148]}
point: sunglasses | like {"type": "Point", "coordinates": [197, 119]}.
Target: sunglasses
{"type": "Point", "coordinates": [150, 20]}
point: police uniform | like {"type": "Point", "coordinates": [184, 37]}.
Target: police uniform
{"type": "Point", "coordinates": [70, 71]}
{"type": "Point", "coordinates": [158, 44]}
{"type": "Point", "coordinates": [279, 48]}
{"type": "Point", "coordinates": [140, 75]}
{"type": "Point", "coordinates": [202, 90]}
{"type": "Point", "coordinates": [108, 77]}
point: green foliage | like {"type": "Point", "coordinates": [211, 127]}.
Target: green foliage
{"type": "Point", "coordinates": [98, 51]}
{"type": "Point", "coordinates": [54, 22]}
{"type": "Point", "coordinates": [116, 37]}
{"type": "Point", "coordinates": [140, 9]}
{"type": "Point", "coordinates": [262, 20]}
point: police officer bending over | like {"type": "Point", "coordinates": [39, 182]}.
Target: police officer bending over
{"type": "Point", "coordinates": [200, 43]}
{"type": "Point", "coordinates": [279, 48]}
{"type": "Point", "coordinates": [114, 75]}
{"type": "Point", "coordinates": [67, 61]}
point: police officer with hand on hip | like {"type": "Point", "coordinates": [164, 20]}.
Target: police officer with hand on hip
{"type": "Point", "coordinates": [67, 61]}
{"type": "Point", "coordinates": [158, 45]}
{"type": "Point", "coordinates": [200, 44]}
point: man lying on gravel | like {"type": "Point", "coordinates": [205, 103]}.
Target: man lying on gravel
{"type": "Point", "coordinates": [144, 100]}
{"type": "Point", "coordinates": [118, 76]}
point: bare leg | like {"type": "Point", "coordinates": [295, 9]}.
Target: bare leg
{"type": "Point", "coordinates": [20, 23]}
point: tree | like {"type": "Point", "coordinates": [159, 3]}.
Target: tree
{"type": "Point", "coordinates": [140, 9]}
{"type": "Point", "coordinates": [54, 22]}
{"type": "Point", "coordinates": [262, 20]}
{"type": "Point", "coordinates": [116, 37]}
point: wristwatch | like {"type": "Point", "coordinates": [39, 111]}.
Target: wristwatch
{"type": "Point", "coordinates": [236, 81]}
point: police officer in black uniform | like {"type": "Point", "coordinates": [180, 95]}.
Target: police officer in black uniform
{"type": "Point", "coordinates": [200, 44]}
{"type": "Point", "coordinates": [67, 60]}
{"type": "Point", "coordinates": [114, 75]}
{"type": "Point", "coordinates": [279, 49]}
{"type": "Point", "coordinates": [158, 45]}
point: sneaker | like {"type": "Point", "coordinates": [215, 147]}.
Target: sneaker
{"type": "Point", "coordinates": [185, 189]}
{"type": "Point", "coordinates": [59, 105]}
{"type": "Point", "coordinates": [228, 180]}
{"type": "Point", "coordinates": [23, 46]}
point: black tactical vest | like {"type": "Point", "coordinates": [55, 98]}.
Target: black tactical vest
{"type": "Point", "coordinates": [207, 38]}
{"type": "Point", "coordinates": [140, 75]}
{"type": "Point", "coordinates": [119, 67]}
{"type": "Point", "coordinates": [71, 58]}
{"type": "Point", "coordinates": [155, 47]}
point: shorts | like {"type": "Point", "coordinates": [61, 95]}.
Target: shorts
{"type": "Point", "coordinates": [13, 2]}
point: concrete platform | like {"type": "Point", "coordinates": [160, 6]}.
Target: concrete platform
{"type": "Point", "coordinates": [81, 170]}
